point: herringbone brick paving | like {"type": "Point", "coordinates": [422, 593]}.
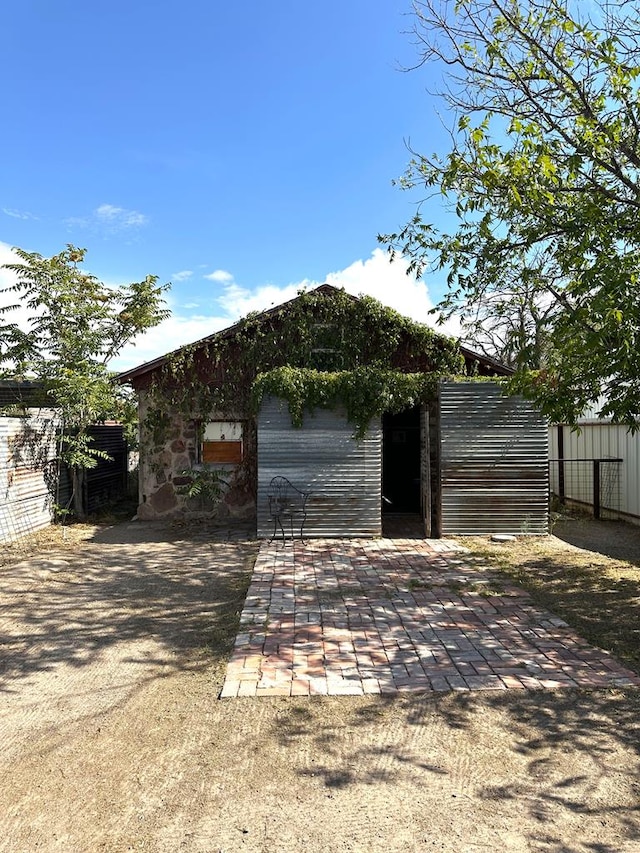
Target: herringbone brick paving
{"type": "Point", "coordinates": [356, 617]}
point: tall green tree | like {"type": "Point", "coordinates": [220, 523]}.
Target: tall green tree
{"type": "Point", "coordinates": [543, 179]}
{"type": "Point", "coordinates": [75, 325]}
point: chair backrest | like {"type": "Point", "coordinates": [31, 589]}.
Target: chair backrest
{"type": "Point", "coordinates": [279, 488]}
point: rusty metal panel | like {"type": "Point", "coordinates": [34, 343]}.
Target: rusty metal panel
{"type": "Point", "coordinates": [27, 451]}
{"type": "Point", "coordinates": [322, 457]}
{"type": "Point", "coordinates": [494, 473]}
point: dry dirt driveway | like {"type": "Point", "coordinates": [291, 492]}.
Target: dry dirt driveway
{"type": "Point", "coordinates": [113, 738]}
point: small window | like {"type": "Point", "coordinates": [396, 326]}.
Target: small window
{"type": "Point", "coordinates": [222, 443]}
{"type": "Point", "coordinates": [326, 352]}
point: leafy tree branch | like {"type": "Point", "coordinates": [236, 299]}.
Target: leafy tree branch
{"type": "Point", "coordinates": [543, 179]}
{"type": "Point", "coordinates": [75, 325]}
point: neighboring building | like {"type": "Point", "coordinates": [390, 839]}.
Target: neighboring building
{"type": "Point", "coordinates": [596, 468]}
{"type": "Point", "coordinates": [352, 402]}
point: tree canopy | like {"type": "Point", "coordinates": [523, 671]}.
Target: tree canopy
{"type": "Point", "coordinates": [75, 325]}
{"type": "Point", "coordinates": [543, 179]}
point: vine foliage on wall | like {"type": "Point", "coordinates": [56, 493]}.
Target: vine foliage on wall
{"type": "Point", "coordinates": [364, 391]}
{"type": "Point", "coordinates": [323, 349]}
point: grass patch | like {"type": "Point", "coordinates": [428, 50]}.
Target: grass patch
{"type": "Point", "coordinates": [599, 596]}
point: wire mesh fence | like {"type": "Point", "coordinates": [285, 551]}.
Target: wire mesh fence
{"type": "Point", "coordinates": [590, 485]}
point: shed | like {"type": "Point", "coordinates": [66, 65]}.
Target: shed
{"type": "Point", "coordinates": [352, 402]}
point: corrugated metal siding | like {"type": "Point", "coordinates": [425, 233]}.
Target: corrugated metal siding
{"type": "Point", "coordinates": [600, 440]}
{"type": "Point", "coordinates": [27, 446]}
{"type": "Point", "coordinates": [342, 474]}
{"type": "Point", "coordinates": [105, 483]}
{"type": "Point", "coordinates": [108, 480]}
{"type": "Point", "coordinates": [494, 450]}
{"type": "Point", "coordinates": [27, 475]}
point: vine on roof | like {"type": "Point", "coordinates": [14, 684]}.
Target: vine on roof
{"type": "Point", "coordinates": [320, 350]}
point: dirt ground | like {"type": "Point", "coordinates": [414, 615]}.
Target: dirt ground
{"type": "Point", "coordinates": [113, 738]}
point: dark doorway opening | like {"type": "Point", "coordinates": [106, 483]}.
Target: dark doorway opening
{"type": "Point", "coordinates": [401, 462]}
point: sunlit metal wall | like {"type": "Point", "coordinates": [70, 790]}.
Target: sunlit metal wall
{"type": "Point", "coordinates": [494, 471]}
{"type": "Point", "coordinates": [27, 448]}
{"type": "Point", "coordinates": [620, 493]}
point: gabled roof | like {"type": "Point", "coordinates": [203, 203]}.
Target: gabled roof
{"type": "Point", "coordinates": [327, 289]}
{"type": "Point", "coordinates": [149, 366]}
{"type": "Point", "coordinates": [486, 361]}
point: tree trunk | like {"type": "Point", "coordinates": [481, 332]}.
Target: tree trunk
{"type": "Point", "coordinates": [78, 482]}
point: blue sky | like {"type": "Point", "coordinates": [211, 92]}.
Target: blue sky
{"type": "Point", "coordinates": [238, 150]}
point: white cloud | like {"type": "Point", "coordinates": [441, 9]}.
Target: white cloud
{"type": "Point", "coordinates": [169, 335]}
{"type": "Point", "coordinates": [183, 275]}
{"type": "Point", "coordinates": [8, 279]}
{"type": "Point", "coordinates": [119, 217]}
{"type": "Point", "coordinates": [18, 214]}
{"type": "Point", "coordinates": [220, 276]}
{"type": "Point", "coordinates": [236, 301]}
{"type": "Point", "coordinates": [109, 219]}
{"type": "Point", "coordinates": [386, 281]}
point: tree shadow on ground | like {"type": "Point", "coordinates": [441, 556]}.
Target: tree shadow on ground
{"type": "Point", "coordinates": [184, 594]}
{"type": "Point", "coordinates": [602, 606]}
{"type": "Point", "coordinates": [566, 745]}
{"type": "Point", "coordinates": [614, 539]}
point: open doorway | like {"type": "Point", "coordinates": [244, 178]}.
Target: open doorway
{"type": "Point", "coordinates": [401, 463]}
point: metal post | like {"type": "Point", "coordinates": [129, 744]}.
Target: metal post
{"type": "Point", "coordinates": [596, 488]}
{"type": "Point", "coordinates": [560, 431]}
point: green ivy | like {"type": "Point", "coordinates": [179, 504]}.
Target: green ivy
{"type": "Point", "coordinates": [365, 392]}
{"type": "Point", "coordinates": [207, 484]}
{"type": "Point", "coordinates": [320, 350]}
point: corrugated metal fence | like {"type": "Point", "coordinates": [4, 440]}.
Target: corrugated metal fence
{"type": "Point", "coordinates": [27, 448]}
{"type": "Point", "coordinates": [342, 474]}
{"type": "Point", "coordinates": [494, 450]}
{"type": "Point", "coordinates": [107, 482]}
{"type": "Point", "coordinates": [28, 487]}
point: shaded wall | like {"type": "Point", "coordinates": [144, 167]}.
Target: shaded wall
{"type": "Point", "coordinates": [166, 456]}
{"type": "Point", "coordinates": [106, 483]}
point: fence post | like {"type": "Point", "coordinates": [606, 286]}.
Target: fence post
{"type": "Point", "coordinates": [560, 432]}
{"type": "Point", "coordinates": [596, 488]}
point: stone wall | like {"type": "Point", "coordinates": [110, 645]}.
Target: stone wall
{"type": "Point", "coordinates": [166, 453]}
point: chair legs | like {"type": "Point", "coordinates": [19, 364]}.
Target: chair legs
{"type": "Point", "coordinates": [278, 523]}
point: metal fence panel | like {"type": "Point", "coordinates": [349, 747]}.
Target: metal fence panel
{"type": "Point", "coordinates": [342, 474]}
{"type": "Point", "coordinates": [494, 450]}
{"type": "Point", "coordinates": [107, 482]}
{"type": "Point", "coordinates": [599, 440]}
{"type": "Point", "coordinates": [27, 448]}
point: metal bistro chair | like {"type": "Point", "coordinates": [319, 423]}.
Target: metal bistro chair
{"type": "Point", "coordinates": [286, 503]}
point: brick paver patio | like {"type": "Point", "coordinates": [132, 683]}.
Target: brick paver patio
{"type": "Point", "coordinates": [356, 617]}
